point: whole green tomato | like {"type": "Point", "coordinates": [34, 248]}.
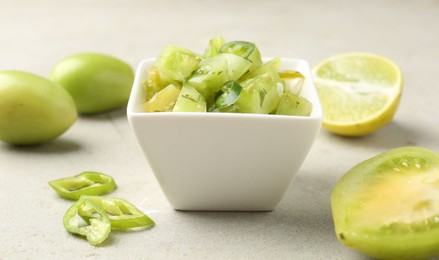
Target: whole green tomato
{"type": "Point", "coordinates": [97, 82]}
{"type": "Point", "coordinates": [33, 109]}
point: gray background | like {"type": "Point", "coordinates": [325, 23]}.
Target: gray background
{"type": "Point", "coordinates": [36, 34]}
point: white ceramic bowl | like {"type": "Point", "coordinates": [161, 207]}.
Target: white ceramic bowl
{"type": "Point", "coordinates": [224, 161]}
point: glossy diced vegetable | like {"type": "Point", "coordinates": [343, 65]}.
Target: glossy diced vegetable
{"type": "Point", "coordinates": [210, 76]}
{"type": "Point", "coordinates": [176, 63]}
{"type": "Point", "coordinates": [190, 100]}
{"type": "Point", "coordinates": [244, 49]}
{"type": "Point", "coordinates": [236, 66]}
{"type": "Point", "coordinates": [270, 66]}
{"type": "Point", "coordinates": [261, 94]}
{"type": "Point", "coordinates": [154, 83]}
{"type": "Point", "coordinates": [213, 73]}
{"type": "Point", "coordinates": [293, 81]}
{"type": "Point", "coordinates": [229, 77]}
{"type": "Point", "coordinates": [214, 46]}
{"type": "Point", "coordinates": [293, 105]}
{"type": "Point", "coordinates": [164, 100]}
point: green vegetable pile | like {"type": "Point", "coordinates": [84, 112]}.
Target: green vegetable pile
{"type": "Point", "coordinates": [229, 77]}
{"type": "Point", "coordinates": [94, 216]}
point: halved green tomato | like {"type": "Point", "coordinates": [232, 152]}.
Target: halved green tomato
{"type": "Point", "coordinates": [387, 207]}
{"type": "Point", "coordinates": [190, 100]}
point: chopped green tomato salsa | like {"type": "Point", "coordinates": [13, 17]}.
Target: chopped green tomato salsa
{"type": "Point", "coordinates": [229, 77]}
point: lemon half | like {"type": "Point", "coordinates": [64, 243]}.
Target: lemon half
{"type": "Point", "coordinates": [359, 92]}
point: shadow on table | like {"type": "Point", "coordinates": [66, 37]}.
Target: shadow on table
{"type": "Point", "coordinates": [301, 223]}
{"type": "Point", "coordinates": [57, 146]}
{"type": "Point", "coordinates": [393, 135]}
{"type": "Point", "coordinates": [102, 116]}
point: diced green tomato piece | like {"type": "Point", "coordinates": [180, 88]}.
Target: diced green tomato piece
{"type": "Point", "coordinates": [270, 66]}
{"type": "Point", "coordinates": [293, 105]}
{"type": "Point", "coordinates": [236, 65]}
{"type": "Point", "coordinates": [190, 100]}
{"type": "Point", "coordinates": [164, 100]}
{"type": "Point", "coordinates": [256, 59]}
{"type": "Point", "coordinates": [176, 63]}
{"type": "Point", "coordinates": [260, 94]}
{"type": "Point", "coordinates": [213, 73]}
{"type": "Point", "coordinates": [210, 76]}
{"type": "Point", "coordinates": [293, 81]}
{"type": "Point", "coordinates": [230, 94]}
{"type": "Point", "coordinates": [85, 183]}
{"type": "Point", "coordinates": [99, 225]}
{"type": "Point", "coordinates": [154, 83]}
{"type": "Point", "coordinates": [122, 214]}
{"type": "Point", "coordinates": [214, 46]}
{"type": "Point", "coordinates": [244, 49]}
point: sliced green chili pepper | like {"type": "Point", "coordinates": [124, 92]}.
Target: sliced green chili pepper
{"type": "Point", "coordinates": [98, 227]}
{"type": "Point", "coordinates": [244, 49]}
{"type": "Point", "coordinates": [229, 95]}
{"type": "Point", "coordinates": [240, 48]}
{"type": "Point", "coordinates": [86, 183]}
{"type": "Point", "coordinates": [122, 214]}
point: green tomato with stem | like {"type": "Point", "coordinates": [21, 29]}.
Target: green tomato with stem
{"type": "Point", "coordinates": [97, 82]}
{"type": "Point", "coordinates": [33, 109]}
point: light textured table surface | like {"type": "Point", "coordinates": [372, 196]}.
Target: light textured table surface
{"type": "Point", "coordinates": [36, 34]}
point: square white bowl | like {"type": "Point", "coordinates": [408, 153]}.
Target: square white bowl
{"type": "Point", "coordinates": [224, 161]}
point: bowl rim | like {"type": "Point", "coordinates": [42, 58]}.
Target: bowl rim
{"type": "Point", "coordinates": [316, 114]}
